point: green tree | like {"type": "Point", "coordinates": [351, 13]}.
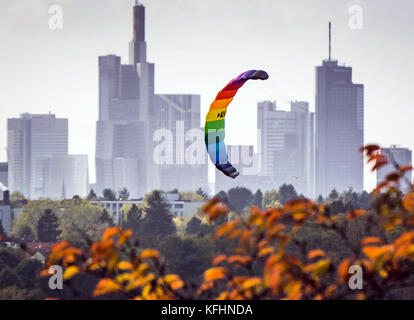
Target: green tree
{"type": "Point", "coordinates": [9, 278]}
{"type": "Point", "coordinates": [32, 212]}
{"type": "Point", "coordinates": [47, 227]}
{"type": "Point", "coordinates": [17, 199]}
{"type": "Point", "coordinates": [109, 195]}
{"type": "Point", "coordinates": [92, 195]}
{"type": "Point", "coordinates": [28, 271]}
{"type": "Point", "coordinates": [123, 194]}
{"type": "Point", "coordinates": [193, 226]}
{"type": "Point", "coordinates": [270, 198]}
{"type": "Point", "coordinates": [187, 257]}
{"type": "Point", "coordinates": [333, 195]}
{"type": "Point", "coordinates": [105, 218]}
{"type": "Point", "coordinates": [202, 193]}
{"type": "Point", "coordinates": [365, 199]}
{"type": "Point", "coordinates": [287, 192]}
{"type": "Point", "coordinates": [320, 199]}
{"type": "Point", "coordinates": [349, 196]}
{"type": "Point", "coordinates": [337, 206]}
{"type": "Point", "coordinates": [11, 257]}
{"type": "Point", "coordinates": [78, 222]}
{"type": "Point", "coordinates": [240, 197]}
{"type": "Point", "coordinates": [27, 234]}
{"type": "Point", "coordinates": [158, 218]}
{"type": "Point", "coordinates": [191, 196]}
{"type": "Point", "coordinates": [133, 219]}
{"type": "Point", "coordinates": [257, 199]}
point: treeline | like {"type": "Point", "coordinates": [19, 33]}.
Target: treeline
{"type": "Point", "coordinates": [186, 245]}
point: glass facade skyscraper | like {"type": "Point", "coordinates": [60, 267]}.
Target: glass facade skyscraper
{"type": "Point", "coordinates": [400, 156]}
{"type": "Point", "coordinates": [286, 145]}
{"type": "Point", "coordinates": [30, 138]}
{"type": "Point", "coordinates": [129, 113]}
{"type": "Point", "coordinates": [339, 129]}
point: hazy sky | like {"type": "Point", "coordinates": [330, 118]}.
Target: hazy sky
{"type": "Point", "coordinates": [198, 46]}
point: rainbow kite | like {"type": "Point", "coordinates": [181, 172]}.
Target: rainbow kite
{"type": "Point", "coordinates": [214, 127]}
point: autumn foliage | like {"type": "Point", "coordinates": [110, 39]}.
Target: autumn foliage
{"type": "Point", "coordinates": [261, 266]}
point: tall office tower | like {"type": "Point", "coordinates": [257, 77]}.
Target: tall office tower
{"type": "Point", "coordinates": [248, 164]}
{"type": "Point", "coordinates": [339, 129]}
{"type": "Point", "coordinates": [126, 94]}
{"type": "Point", "coordinates": [65, 176]}
{"type": "Point", "coordinates": [29, 139]}
{"type": "Point", "coordinates": [138, 59]}
{"type": "Point", "coordinates": [122, 155]}
{"type": "Point", "coordinates": [119, 90]}
{"type": "Point", "coordinates": [286, 142]}
{"type": "Point", "coordinates": [138, 46]}
{"type": "Point", "coordinates": [401, 156]}
{"type": "Point", "coordinates": [177, 116]}
{"type": "Point", "coordinates": [4, 173]}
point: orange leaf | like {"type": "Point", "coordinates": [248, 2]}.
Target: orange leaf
{"type": "Point", "coordinates": [105, 286]}
{"type": "Point", "coordinates": [408, 201]}
{"type": "Point", "coordinates": [354, 214]}
{"type": "Point", "coordinates": [251, 282]}
{"type": "Point", "coordinates": [59, 246]}
{"type": "Point", "coordinates": [371, 240]}
{"type": "Point", "coordinates": [370, 148]}
{"type": "Point", "coordinates": [239, 259]}
{"type": "Point", "coordinates": [316, 253]}
{"type": "Point", "coordinates": [149, 253]}
{"type": "Point", "coordinates": [219, 259]}
{"type": "Point", "coordinates": [110, 232]}
{"type": "Point", "coordinates": [379, 164]}
{"type": "Point", "coordinates": [265, 251]}
{"type": "Point", "coordinates": [343, 270]}
{"type": "Point", "coordinates": [216, 273]}
{"type": "Point", "coordinates": [319, 267]}
{"type": "Point", "coordinates": [125, 235]}
{"type": "Point", "coordinates": [375, 253]}
{"type": "Point", "coordinates": [70, 272]}
{"type": "Point", "coordinates": [405, 238]}
{"type": "Point", "coordinates": [226, 227]}
{"type": "Point", "coordinates": [393, 177]}
{"type": "Point", "coordinates": [124, 265]}
{"type": "Point", "coordinates": [405, 168]}
{"type": "Point", "coordinates": [174, 281]}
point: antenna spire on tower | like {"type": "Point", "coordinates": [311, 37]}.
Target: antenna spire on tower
{"type": "Point", "coordinates": [330, 41]}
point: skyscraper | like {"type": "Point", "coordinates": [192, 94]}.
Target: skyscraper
{"type": "Point", "coordinates": [130, 113]}
{"type": "Point", "coordinates": [178, 114]}
{"type": "Point", "coordinates": [138, 46]}
{"type": "Point", "coordinates": [65, 176]}
{"type": "Point", "coordinates": [121, 148]}
{"type": "Point", "coordinates": [401, 156]}
{"type": "Point", "coordinates": [125, 98]}
{"type": "Point", "coordinates": [339, 129]}
{"type": "Point", "coordinates": [30, 138]}
{"type": "Point", "coordinates": [286, 142]}
{"type": "Point", "coordinates": [4, 173]}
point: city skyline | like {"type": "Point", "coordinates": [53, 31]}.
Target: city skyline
{"type": "Point", "coordinates": [378, 109]}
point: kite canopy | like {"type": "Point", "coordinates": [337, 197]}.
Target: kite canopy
{"type": "Point", "coordinates": [214, 127]}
